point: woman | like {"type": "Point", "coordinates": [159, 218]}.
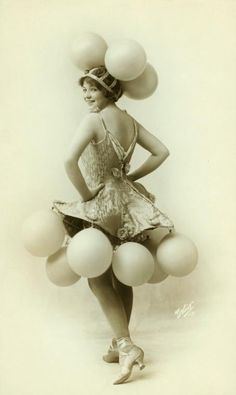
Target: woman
{"type": "Point", "coordinates": [111, 199]}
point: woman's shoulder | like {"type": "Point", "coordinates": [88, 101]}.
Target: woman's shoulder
{"type": "Point", "coordinates": [120, 114]}
{"type": "Point", "coordinates": [129, 116]}
{"type": "Point", "coordinates": [91, 120]}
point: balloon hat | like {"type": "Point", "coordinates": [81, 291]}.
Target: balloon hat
{"type": "Point", "coordinates": [125, 60]}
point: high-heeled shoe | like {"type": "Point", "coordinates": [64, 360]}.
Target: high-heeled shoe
{"type": "Point", "coordinates": [112, 355]}
{"type": "Point", "coordinates": [129, 355]}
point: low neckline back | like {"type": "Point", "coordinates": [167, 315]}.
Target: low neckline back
{"type": "Point", "coordinates": [115, 141]}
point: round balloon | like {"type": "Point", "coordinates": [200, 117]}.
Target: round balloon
{"type": "Point", "coordinates": [58, 270]}
{"type": "Point", "coordinates": [88, 51]}
{"type": "Point", "coordinates": [177, 255]}
{"type": "Point", "coordinates": [151, 244]}
{"type": "Point", "coordinates": [89, 253]}
{"type": "Point", "coordinates": [43, 233]}
{"type": "Point", "coordinates": [125, 59]}
{"type": "Point", "coordinates": [132, 264]}
{"type": "Point", "coordinates": [155, 236]}
{"type": "Point", "coordinates": [142, 86]}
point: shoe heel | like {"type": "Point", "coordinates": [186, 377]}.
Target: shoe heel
{"type": "Point", "coordinates": [140, 363]}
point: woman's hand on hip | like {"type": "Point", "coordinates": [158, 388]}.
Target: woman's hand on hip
{"type": "Point", "coordinates": [93, 192]}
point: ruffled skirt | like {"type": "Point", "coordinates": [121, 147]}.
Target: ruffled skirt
{"type": "Point", "coordinates": [123, 210]}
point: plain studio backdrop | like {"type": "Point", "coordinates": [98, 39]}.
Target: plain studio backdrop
{"type": "Point", "coordinates": [52, 338]}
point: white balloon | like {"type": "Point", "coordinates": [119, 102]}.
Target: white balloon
{"type": "Point", "coordinates": [58, 270]}
{"type": "Point", "coordinates": [156, 235]}
{"type": "Point", "coordinates": [132, 264]}
{"type": "Point", "coordinates": [177, 255]}
{"type": "Point", "coordinates": [151, 244]}
{"type": "Point", "coordinates": [125, 59]}
{"type": "Point", "coordinates": [143, 86]}
{"type": "Point", "coordinates": [89, 253]}
{"type": "Point", "coordinates": [88, 51]}
{"type": "Point", "coordinates": [43, 233]}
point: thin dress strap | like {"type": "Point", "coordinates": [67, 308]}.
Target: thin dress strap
{"type": "Point", "coordinates": [119, 149]}
{"type": "Point", "coordinates": [103, 122]}
{"type": "Point", "coordinates": [105, 130]}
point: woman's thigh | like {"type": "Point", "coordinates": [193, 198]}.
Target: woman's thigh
{"type": "Point", "coordinates": [105, 280]}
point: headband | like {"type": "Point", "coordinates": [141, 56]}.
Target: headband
{"type": "Point", "coordinates": [100, 80]}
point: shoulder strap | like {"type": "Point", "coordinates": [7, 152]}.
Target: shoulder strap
{"type": "Point", "coordinates": [135, 128]}
{"type": "Point", "coordinates": [103, 122]}
{"type": "Point", "coordinates": [135, 125]}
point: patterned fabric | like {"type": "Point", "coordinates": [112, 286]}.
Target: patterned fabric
{"type": "Point", "coordinates": [123, 209]}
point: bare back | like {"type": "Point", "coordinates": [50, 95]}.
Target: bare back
{"type": "Point", "coordinates": [118, 123]}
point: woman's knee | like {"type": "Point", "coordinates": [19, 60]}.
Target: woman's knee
{"type": "Point", "coordinates": [93, 284]}
{"type": "Point", "coordinates": [120, 286]}
{"type": "Point", "coordinates": [98, 284]}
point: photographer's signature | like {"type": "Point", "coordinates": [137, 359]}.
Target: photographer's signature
{"type": "Point", "coordinates": [187, 310]}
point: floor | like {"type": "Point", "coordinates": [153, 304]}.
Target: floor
{"type": "Point", "coordinates": [190, 351]}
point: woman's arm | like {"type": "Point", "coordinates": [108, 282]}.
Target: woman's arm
{"type": "Point", "coordinates": [158, 151]}
{"type": "Point", "coordinates": [84, 135]}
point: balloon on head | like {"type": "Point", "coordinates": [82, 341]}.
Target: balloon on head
{"type": "Point", "coordinates": [125, 59]}
{"type": "Point", "coordinates": [88, 51]}
{"type": "Point", "coordinates": [58, 270]}
{"type": "Point", "coordinates": [151, 244]}
{"type": "Point", "coordinates": [143, 86]}
{"type": "Point", "coordinates": [43, 233]}
{"type": "Point", "coordinates": [132, 264]}
{"type": "Point", "coordinates": [89, 253]}
{"type": "Point", "coordinates": [177, 255]}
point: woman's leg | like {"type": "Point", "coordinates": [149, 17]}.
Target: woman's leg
{"type": "Point", "coordinates": [126, 294]}
{"type": "Point", "coordinates": [111, 303]}
{"type": "Point", "coordinates": [113, 308]}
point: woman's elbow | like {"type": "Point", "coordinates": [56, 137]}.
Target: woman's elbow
{"type": "Point", "coordinates": [166, 153]}
{"type": "Point", "coordinates": [70, 162]}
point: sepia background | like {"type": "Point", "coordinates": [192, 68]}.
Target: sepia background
{"type": "Point", "coordinates": [52, 338]}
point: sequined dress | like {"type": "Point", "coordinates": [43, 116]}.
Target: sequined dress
{"type": "Point", "coordinates": [123, 209]}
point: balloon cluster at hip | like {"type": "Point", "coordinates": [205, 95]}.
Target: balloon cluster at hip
{"type": "Point", "coordinates": [124, 59]}
{"type": "Point", "coordinates": [90, 254]}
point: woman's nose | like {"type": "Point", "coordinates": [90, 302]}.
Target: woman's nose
{"type": "Point", "coordinates": [87, 95]}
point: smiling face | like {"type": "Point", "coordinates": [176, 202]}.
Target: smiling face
{"type": "Point", "coordinates": [94, 97]}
